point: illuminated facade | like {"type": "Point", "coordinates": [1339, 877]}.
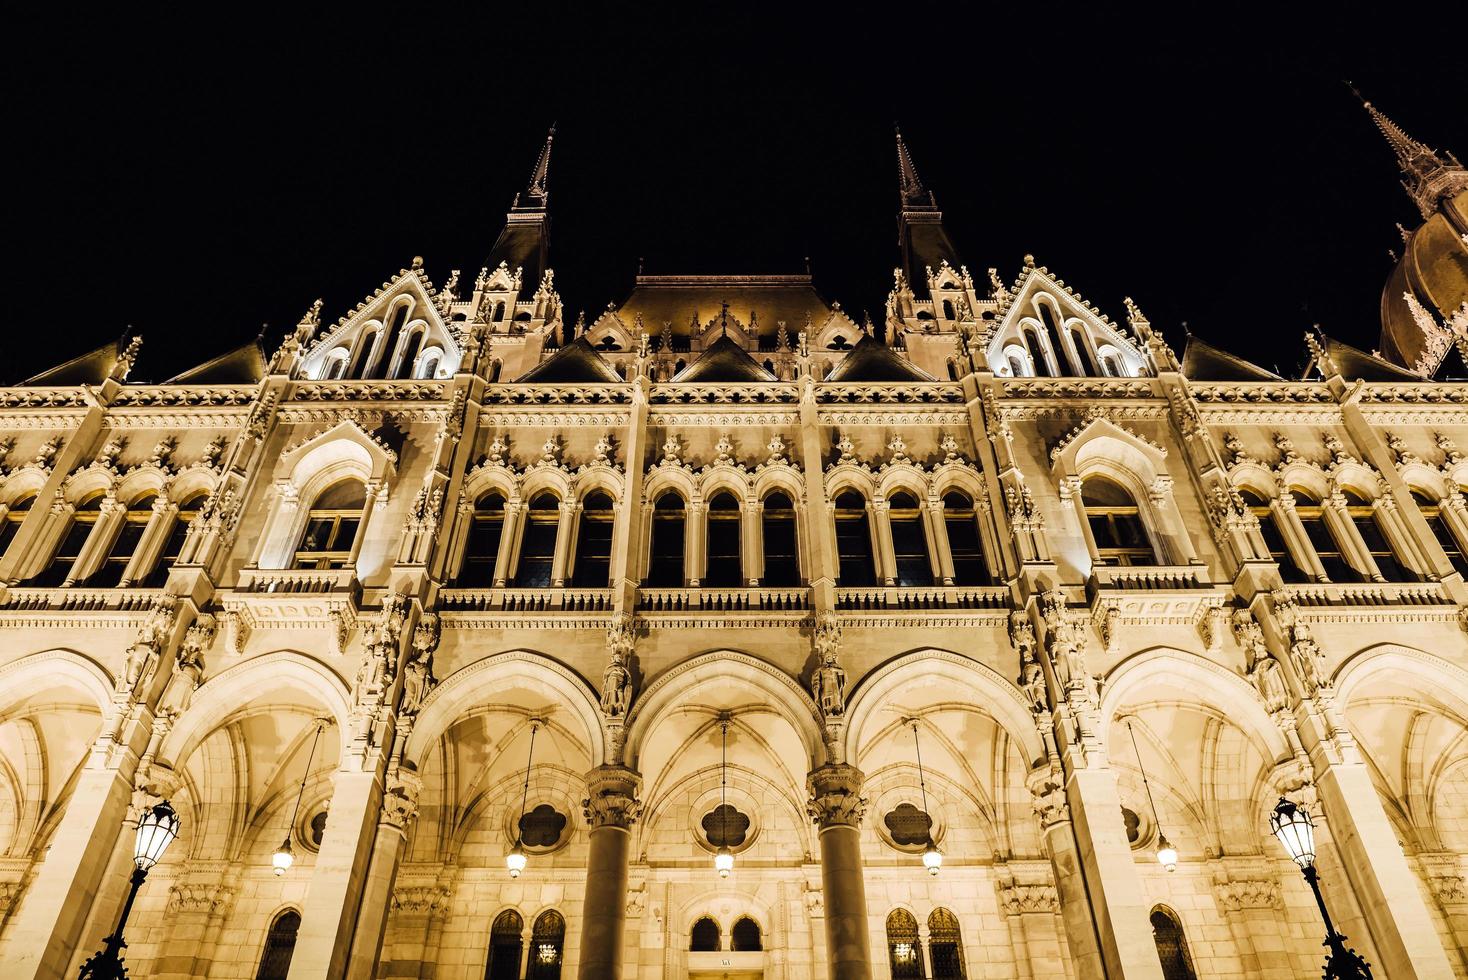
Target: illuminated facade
{"type": "Point", "coordinates": [748, 574]}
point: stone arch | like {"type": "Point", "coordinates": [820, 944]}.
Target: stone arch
{"type": "Point", "coordinates": [850, 476]}
{"type": "Point", "coordinates": [543, 478]}
{"type": "Point", "coordinates": [87, 483]}
{"type": "Point", "coordinates": [1305, 477]}
{"type": "Point", "coordinates": [599, 477]}
{"type": "Point", "coordinates": [486, 478]}
{"type": "Point", "coordinates": [721, 477]}
{"type": "Point", "coordinates": [676, 478]}
{"type": "Point", "coordinates": [903, 476]}
{"type": "Point", "coordinates": [782, 477]}
{"type": "Point", "coordinates": [1427, 481]}
{"type": "Point", "coordinates": [51, 667]}
{"type": "Point", "coordinates": [1256, 478]}
{"type": "Point", "coordinates": [140, 481]}
{"type": "Point", "coordinates": [1442, 678]}
{"type": "Point", "coordinates": [21, 484]}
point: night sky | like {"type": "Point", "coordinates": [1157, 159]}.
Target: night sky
{"type": "Point", "coordinates": [195, 180]}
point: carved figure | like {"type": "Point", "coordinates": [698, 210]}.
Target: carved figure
{"type": "Point", "coordinates": [828, 680]}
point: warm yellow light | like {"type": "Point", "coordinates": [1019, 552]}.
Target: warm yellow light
{"type": "Point", "coordinates": [932, 858]}
{"type": "Point", "coordinates": [1166, 853]}
{"type": "Point", "coordinates": [724, 862]}
{"type": "Point", "coordinates": [157, 828]}
{"type": "Point", "coordinates": [515, 860]}
{"type": "Point", "coordinates": [283, 858]}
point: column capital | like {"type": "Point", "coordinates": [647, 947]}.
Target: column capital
{"type": "Point", "coordinates": [611, 797]}
{"type": "Point", "coordinates": [835, 795]}
{"type": "Point", "coordinates": [400, 801]}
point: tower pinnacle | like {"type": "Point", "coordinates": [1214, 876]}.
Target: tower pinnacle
{"type": "Point", "coordinates": [537, 190]}
{"type": "Point", "coordinates": [1429, 177]}
{"type": "Point", "coordinates": [909, 186]}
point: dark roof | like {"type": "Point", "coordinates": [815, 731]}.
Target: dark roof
{"type": "Point", "coordinates": [246, 364]}
{"type": "Point", "coordinates": [1204, 362]}
{"type": "Point", "coordinates": [871, 360]}
{"type": "Point", "coordinates": [578, 361]}
{"type": "Point", "coordinates": [91, 368]}
{"type": "Point", "coordinates": [1356, 364]}
{"type": "Point", "coordinates": [724, 360]}
{"type": "Point", "coordinates": [678, 299]}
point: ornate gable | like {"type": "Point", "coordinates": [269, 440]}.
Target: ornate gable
{"type": "Point", "coordinates": [357, 345]}
{"type": "Point", "coordinates": [1043, 306]}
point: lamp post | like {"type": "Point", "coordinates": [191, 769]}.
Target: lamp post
{"type": "Point", "coordinates": [515, 860]}
{"type": "Point", "coordinates": [1296, 831]}
{"type": "Point", "coordinates": [157, 828]}
{"type": "Point", "coordinates": [932, 857]}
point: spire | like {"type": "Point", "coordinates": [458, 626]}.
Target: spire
{"type": "Point", "coordinates": [920, 234]}
{"type": "Point", "coordinates": [537, 190]}
{"type": "Point", "coordinates": [525, 241]}
{"type": "Point", "coordinates": [909, 186]}
{"type": "Point", "coordinates": [1429, 177]}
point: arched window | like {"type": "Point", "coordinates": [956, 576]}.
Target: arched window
{"type": "Point", "coordinates": [13, 518]}
{"type": "Point", "coordinates": [382, 362]}
{"type": "Point", "coordinates": [903, 951]}
{"type": "Point", "coordinates": [1172, 946]}
{"type": "Point", "coordinates": [962, 524]}
{"type": "Point", "coordinates": [854, 540]}
{"type": "Point", "coordinates": [1017, 366]}
{"type": "Point", "coordinates": [1273, 540]}
{"type": "Point", "coordinates": [1433, 514]}
{"type": "Point", "coordinates": [769, 365]}
{"type": "Point", "coordinates": [331, 526]}
{"type": "Point", "coordinates": [1084, 367]}
{"type": "Point", "coordinates": [365, 341]}
{"type": "Point", "coordinates": [173, 544]}
{"type": "Point", "coordinates": [486, 526]}
{"type": "Point", "coordinates": [1116, 524]}
{"type": "Point", "coordinates": [1363, 515]}
{"type": "Point", "coordinates": [1327, 549]}
{"type": "Point", "coordinates": [134, 522]}
{"type": "Point", "coordinates": [948, 309]}
{"type": "Point", "coordinates": [547, 944]}
{"type": "Point", "coordinates": [1037, 353]}
{"type": "Point", "coordinates": [1052, 334]}
{"type": "Point", "coordinates": [909, 543]}
{"type": "Point", "coordinates": [409, 354]}
{"type": "Point", "coordinates": [594, 542]}
{"type": "Point", "coordinates": [1111, 366]}
{"type": "Point", "coordinates": [499, 311]}
{"type": "Point", "coordinates": [745, 935]}
{"type": "Point", "coordinates": [538, 542]}
{"type": "Point", "coordinates": [945, 946]}
{"type": "Point", "coordinates": [335, 367]}
{"type": "Point", "coordinates": [429, 367]}
{"type": "Point", "coordinates": [705, 937]}
{"type": "Point", "coordinates": [280, 943]}
{"type": "Point", "coordinates": [665, 562]}
{"type": "Point", "coordinates": [82, 522]}
{"type": "Point", "coordinates": [724, 569]}
{"type": "Point", "coordinates": [505, 939]}
{"type": "Point", "coordinates": [782, 567]}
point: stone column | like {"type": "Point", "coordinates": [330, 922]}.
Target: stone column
{"type": "Point", "coordinates": [504, 559]}
{"type": "Point", "coordinates": [837, 806]}
{"type": "Point", "coordinates": [611, 809]}
{"type": "Point", "coordinates": [941, 551]}
{"type": "Point", "coordinates": [752, 551]}
{"type": "Point", "coordinates": [565, 539]}
{"type": "Point", "coordinates": [695, 543]}
{"type": "Point", "coordinates": [418, 911]}
{"type": "Point", "coordinates": [1070, 882]}
{"type": "Point", "coordinates": [1029, 902]}
{"type": "Point", "coordinates": [1250, 901]}
{"type": "Point", "coordinates": [880, 528]}
{"type": "Point", "coordinates": [399, 807]}
{"type": "Point", "coordinates": [196, 912]}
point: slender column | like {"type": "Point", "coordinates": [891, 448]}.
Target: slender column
{"type": "Point", "coordinates": [1030, 906]}
{"type": "Point", "coordinates": [837, 806]}
{"type": "Point", "coordinates": [196, 912]}
{"type": "Point", "coordinates": [376, 496]}
{"type": "Point", "coordinates": [565, 536]}
{"type": "Point", "coordinates": [1250, 901]}
{"type": "Point", "coordinates": [418, 914]}
{"type": "Point", "coordinates": [1338, 518]}
{"type": "Point", "coordinates": [151, 543]}
{"type": "Point", "coordinates": [751, 517]}
{"type": "Point", "coordinates": [399, 807]}
{"type": "Point", "coordinates": [99, 541]}
{"type": "Point", "coordinates": [881, 531]}
{"type": "Point", "coordinates": [1070, 882]}
{"type": "Point", "coordinates": [695, 543]}
{"type": "Point", "coordinates": [611, 809]}
{"type": "Point", "coordinates": [504, 559]}
{"type": "Point", "coordinates": [939, 549]}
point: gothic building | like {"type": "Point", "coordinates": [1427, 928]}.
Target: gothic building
{"type": "Point", "coordinates": [930, 633]}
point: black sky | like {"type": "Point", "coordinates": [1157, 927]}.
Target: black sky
{"type": "Point", "coordinates": [194, 180]}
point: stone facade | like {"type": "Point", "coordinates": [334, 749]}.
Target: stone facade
{"type": "Point", "coordinates": [997, 529]}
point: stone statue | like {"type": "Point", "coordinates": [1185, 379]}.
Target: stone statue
{"type": "Point", "coordinates": [147, 649]}
{"type": "Point", "coordinates": [1067, 652]}
{"type": "Point", "coordinates": [616, 680]}
{"type": "Point", "coordinates": [828, 686]}
{"type": "Point", "coordinates": [1269, 682]}
{"type": "Point", "coordinates": [187, 672]}
{"type": "Point", "coordinates": [418, 671]}
{"type": "Point", "coordinates": [1306, 656]}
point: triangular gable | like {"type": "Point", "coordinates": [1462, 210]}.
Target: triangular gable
{"type": "Point", "coordinates": [410, 282]}
{"type": "Point", "coordinates": [724, 361]}
{"type": "Point", "coordinates": [872, 360]}
{"type": "Point", "coordinates": [1018, 307]}
{"type": "Point", "coordinates": [1329, 356]}
{"type": "Point", "coordinates": [609, 330]}
{"type": "Point", "coordinates": [577, 362]}
{"type": "Point", "coordinates": [91, 368]}
{"type": "Point", "coordinates": [1204, 362]}
{"type": "Point", "coordinates": [347, 440]}
{"type": "Point", "coordinates": [246, 364]}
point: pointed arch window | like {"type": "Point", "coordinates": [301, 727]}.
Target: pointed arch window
{"type": "Point", "coordinates": [506, 937]}
{"type": "Point", "coordinates": [1327, 549]}
{"type": "Point", "coordinates": [486, 527]}
{"type": "Point", "coordinates": [782, 566]}
{"type": "Point", "coordinates": [1172, 945]}
{"type": "Point", "coordinates": [1116, 524]}
{"type": "Point", "coordinates": [724, 568]}
{"type": "Point", "coordinates": [1289, 569]}
{"type": "Point", "coordinates": [1036, 350]}
{"type": "Point", "coordinates": [429, 367]}
{"type": "Point", "coordinates": [1052, 334]}
{"type": "Point", "coordinates": [70, 549]}
{"type": "Point", "coordinates": [948, 309]}
{"type": "Point", "coordinates": [366, 340]}
{"type": "Point", "coordinates": [909, 541]}
{"type": "Point", "coordinates": [904, 952]}
{"type": "Point", "coordinates": [746, 936]}
{"type": "Point", "coordinates": [854, 540]}
{"type": "Point", "coordinates": [665, 562]}
{"type": "Point", "coordinates": [135, 522]}
{"type": "Point", "coordinates": [280, 943]}
{"type": "Point", "coordinates": [10, 526]}
{"type": "Point", "coordinates": [962, 524]}
{"type": "Point", "coordinates": [409, 354]}
{"type": "Point", "coordinates": [594, 542]}
{"type": "Point", "coordinates": [945, 946]}
{"type": "Point", "coordinates": [538, 542]}
{"type": "Point", "coordinates": [1432, 513]}
{"type": "Point", "coordinates": [1084, 367]}
{"type": "Point", "coordinates": [335, 366]}
{"type": "Point", "coordinates": [705, 936]}
{"type": "Point", "coordinates": [331, 526]}
{"type": "Point", "coordinates": [547, 946]}
{"type": "Point", "coordinates": [1368, 525]}
{"type": "Point", "coordinates": [157, 576]}
{"type": "Point", "coordinates": [499, 311]}
{"type": "Point", "coordinates": [385, 350]}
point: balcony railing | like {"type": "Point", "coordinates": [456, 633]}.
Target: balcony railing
{"type": "Point", "coordinates": [526, 600]}
{"type": "Point", "coordinates": [1149, 577]}
{"type": "Point", "coordinates": [857, 598]}
{"type": "Point", "coordinates": [1370, 594]}
{"type": "Point", "coordinates": [308, 581]}
{"type": "Point", "coordinates": [724, 600]}
{"type": "Point", "coordinates": [79, 600]}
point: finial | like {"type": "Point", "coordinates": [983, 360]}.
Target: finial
{"type": "Point", "coordinates": [417, 262]}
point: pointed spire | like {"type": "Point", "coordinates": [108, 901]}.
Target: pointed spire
{"type": "Point", "coordinates": [1429, 177]}
{"type": "Point", "coordinates": [537, 188]}
{"type": "Point", "coordinates": [909, 186]}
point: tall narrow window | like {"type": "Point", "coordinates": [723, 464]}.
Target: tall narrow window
{"type": "Point", "coordinates": [746, 936]}
{"type": "Point", "coordinates": [72, 542]}
{"type": "Point", "coordinates": [854, 540]}
{"type": "Point", "coordinates": [945, 946]}
{"type": "Point", "coordinates": [903, 951]}
{"type": "Point", "coordinates": [547, 944]}
{"type": "Point", "coordinates": [1289, 571]}
{"type": "Point", "coordinates": [665, 562]}
{"type": "Point", "coordinates": [1052, 335]}
{"type": "Point", "coordinates": [1172, 946]}
{"type": "Point", "coordinates": [505, 939]}
{"type": "Point", "coordinates": [385, 350]}
{"type": "Point", "coordinates": [134, 522]}
{"type": "Point", "coordinates": [962, 524]}
{"type": "Point", "coordinates": [1017, 366]}
{"type": "Point", "coordinates": [594, 542]}
{"type": "Point", "coordinates": [1037, 353]}
{"type": "Point", "coordinates": [366, 340]}
{"type": "Point", "coordinates": [486, 525]}
{"type": "Point", "coordinates": [157, 576]}
{"type": "Point", "coordinates": [13, 518]}
{"type": "Point", "coordinates": [331, 526]}
{"type": "Point", "coordinates": [1433, 514]}
{"type": "Point", "coordinates": [538, 542]}
{"type": "Point", "coordinates": [280, 943]}
{"type": "Point", "coordinates": [409, 354]}
{"type": "Point", "coordinates": [705, 937]}
{"type": "Point", "coordinates": [429, 367]}
{"type": "Point", "coordinates": [1084, 367]}
{"type": "Point", "coordinates": [1116, 524]}
{"type": "Point", "coordinates": [948, 309]}
{"type": "Point", "coordinates": [724, 569]}
{"type": "Point", "coordinates": [1363, 515]}
{"type": "Point", "coordinates": [909, 543]}
{"type": "Point", "coordinates": [1327, 549]}
{"type": "Point", "coordinates": [782, 567]}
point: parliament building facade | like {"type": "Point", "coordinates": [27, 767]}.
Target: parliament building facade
{"type": "Point", "coordinates": [936, 628]}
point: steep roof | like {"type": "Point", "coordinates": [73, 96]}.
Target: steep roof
{"type": "Point", "coordinates": [678, 299]}
{"type": "Point", "coordinates": [91, 368]}
{"type": "Point", "coordinates": [577, 362]}
{"type": "Point", "coordinates": [1356, 364]}
{"type": "Point", "coordinates": [724, 360]}
{"type": "Point", "coordinates": [246, 364]}
{"type": "Point", "coordinates": [871, 360]}
{"type": "Point", "coordinates": [1204, 362]}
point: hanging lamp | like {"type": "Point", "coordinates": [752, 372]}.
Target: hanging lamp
{"type": "Point", "coordinates": [284, 857]}
{"type": "Point", "coordinates": [932, 857]}
{"type": "Point", "coordinates": [515, 861]}
{"type": "Point", "coordinates": [724, 857]}
{"type": "Point", "coordinates": [1166, 853]}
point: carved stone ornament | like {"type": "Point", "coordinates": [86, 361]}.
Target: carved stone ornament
{"type": "Point", "coordinates": [188, 669]}
{"type": "Point", "coordinates": [430, 900]}
{"type": "Point", "coordinates": [145, 652]}
{"type": "Point", "coordinates": [1240, 894]}
{"type": "Point", "coordinates": [400, 799]}
{"type": "Point", "coordinates": [611, 799]}
{"type": "Point", "coordinates": [616, 683]}
{"type": "Point", "coordinates": [418, 677]}
{"type": "Point", "coordinates": [1047, 792]}
{"type": "Point", "coordinates": [835, 796]}
{"type": "Point", "coordinates": [1022, 899]}
{"type": "Point", "coordinates": [828, 680]}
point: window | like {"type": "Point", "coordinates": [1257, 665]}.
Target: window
{"type": "Point", "coordinates": [746, 936]}
{"type": "Point", "coordinates": [1037, 353]}
{"type": "Point", "coordinates": [72, 542]}
{"type": "Point", "coordinates": [429, 368]}
{"type": "Point", "coordinates": [1433, 514]}
{"type": "Point", "coordinates": [335, 366]}
{"type": "Point", "coordinates": [948, 309]}
{"type": "Point", "coordinates": [280, 943]}
{"type": "Point", "coordinates": [134, 522]}
{"type": "Point", "coordinates": [594, 542]}
{"type": "Point", "coordinates": [782, 567]}
{"type": "Point", "coordinates": [547, 943]}
{"type": "Point", "coordinates": [505, 939]}
{"type": "Point", "coordinates": [724, 570]}
{"type": "Point", "coordinates": [665, 564]}
{"type": "Point", "coordinates": [1172, 946]}
{"type": "Point", "coordinates": [1116, 524]}
{"type": "Point", "coordinates": [1312, 518]}
{"type": "Point", "coordinates": [365, 341]}
{"type": "Point", "coordinates": [1052, 334]}
{"type": "Point", "coordinates": [1273, 540]}
{"type": "Point", "coordinates": [13, 518]}
{"type": "Point", "coordinates": [854, 540]}
{"type": "Point", "coordinates": [945, 946]}
{"type": "Point", "coordinates": [409, 354]}
{"type": "Point", "coordinates": [486, 526]}
{"type": "Point", "coordinates": [331, 526]}
{"type": "Point", "coordinates": [705, 937]}
{"type": "Point", "coordinates": [538, 542]}
{"type": "Point", "coordinates": [385, 350]}
{"type": "Point", "coordinates": [1017, 366]}
{"type": "Point", "coordinates": [903, 951]}
{"type": "Point", "coordinates": [1363, 515]}
{"type": "Point", "coordinates": [173, 546]}
{"type": "Point", "coordinates": [909, 542]}
{"type": "Point", "coordinates": [1084, 366]}
{"type": "Point", "coordinates": [962, 524]}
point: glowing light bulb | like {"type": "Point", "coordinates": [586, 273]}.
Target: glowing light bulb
{"type": "Point", "coordinates": [515, 860]}
{"type": "Point", "coordinates": [283, 858]}
{"type": "Point", "coordinates": [932, 858]}
{"type": "Point", "coordinates": [724, 861]}
{"type": "Point", "coordinates": [1166, 853]}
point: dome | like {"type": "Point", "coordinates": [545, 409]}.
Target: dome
{"type": "Point", "coordinates": [1432, 279]}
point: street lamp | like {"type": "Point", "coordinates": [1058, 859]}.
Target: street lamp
{"type": "Point", "coordinates": [1166, 853]}
{"type": "Point", "coordinates": [932, 857]}
{"type": "Point", "coordinates": [515, 860]}
{"type": "Point", "coordinates": [1296, 831]}
{"type": "Point", "coordinates": [157, 828]}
